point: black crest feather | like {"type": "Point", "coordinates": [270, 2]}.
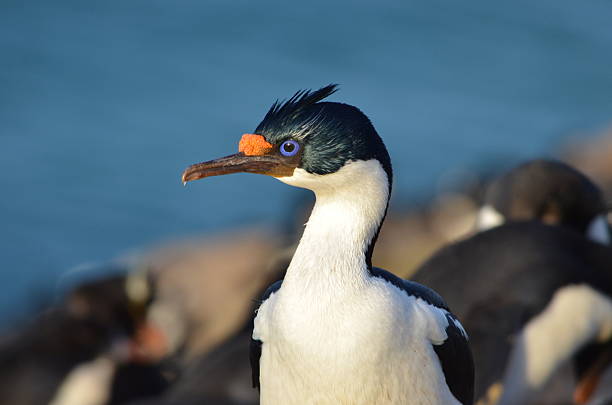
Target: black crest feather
{"type": "Point", "coordinates": [287, 110]}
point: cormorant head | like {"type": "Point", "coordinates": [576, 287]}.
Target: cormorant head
{"type": "Point", "coordinates": [548, 191]}
{"type": "Point", "coordinates": [301, 141]}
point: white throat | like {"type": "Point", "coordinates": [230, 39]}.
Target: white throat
{"type": "Point", "coordinates": [350, 205]}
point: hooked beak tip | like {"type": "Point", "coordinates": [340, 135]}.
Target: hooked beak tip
{"type": "Point", "coordinates": [188, 175]}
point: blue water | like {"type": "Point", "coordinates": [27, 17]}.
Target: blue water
{"type": "Point", "coordinates": [103, 103]}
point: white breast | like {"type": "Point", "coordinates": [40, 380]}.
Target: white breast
{"type": "Point", "coordinates": [374, 347]}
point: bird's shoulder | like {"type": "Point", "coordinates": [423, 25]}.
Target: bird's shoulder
{"type": "Point", "coordinates": [454, 351]}
{"type": "Point", "coordinates": [274, 287]}
{"type": "Point", "coordinates": [256, 343]}
{"type": "Point", "coordinates": [261, 320]}
{"type": "Point", "coordinates": [411, 288]}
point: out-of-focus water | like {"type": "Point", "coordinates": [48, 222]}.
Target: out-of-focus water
{"type": "Point", "coordinates": [103, 103]}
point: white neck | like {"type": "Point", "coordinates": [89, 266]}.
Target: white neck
{"type": "Point", "coordinates": [350, 205]}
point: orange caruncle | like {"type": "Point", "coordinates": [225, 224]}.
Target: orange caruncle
{"type": "Point", "coordinates": [254, 145]}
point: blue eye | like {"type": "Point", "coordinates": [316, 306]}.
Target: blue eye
{"type": "Point", "coordinates": [289, 148]}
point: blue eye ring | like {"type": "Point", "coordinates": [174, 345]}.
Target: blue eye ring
{"type": "Point", "coordinates": [289, 148]}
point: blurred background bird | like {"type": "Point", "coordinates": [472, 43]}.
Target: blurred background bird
{"type": "Point", "coordinates": [550, 192]}
{"type": "Point", "coordinates": [535, 283]}
{"type": "Point", "coordinates": [96, 346]}
{"type": "Point", "coordinates": [102, 104]}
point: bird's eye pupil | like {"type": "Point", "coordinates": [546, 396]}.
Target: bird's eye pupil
{"type": "Point", "coordinates": [289, 148]}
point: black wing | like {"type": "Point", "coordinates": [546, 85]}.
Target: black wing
{"type": "Point", "coordinates": [457, 362]}
{"type": "Point", "coordinates": [255, 348]}
{"type": "Point", "coordinates": [454, 354]}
